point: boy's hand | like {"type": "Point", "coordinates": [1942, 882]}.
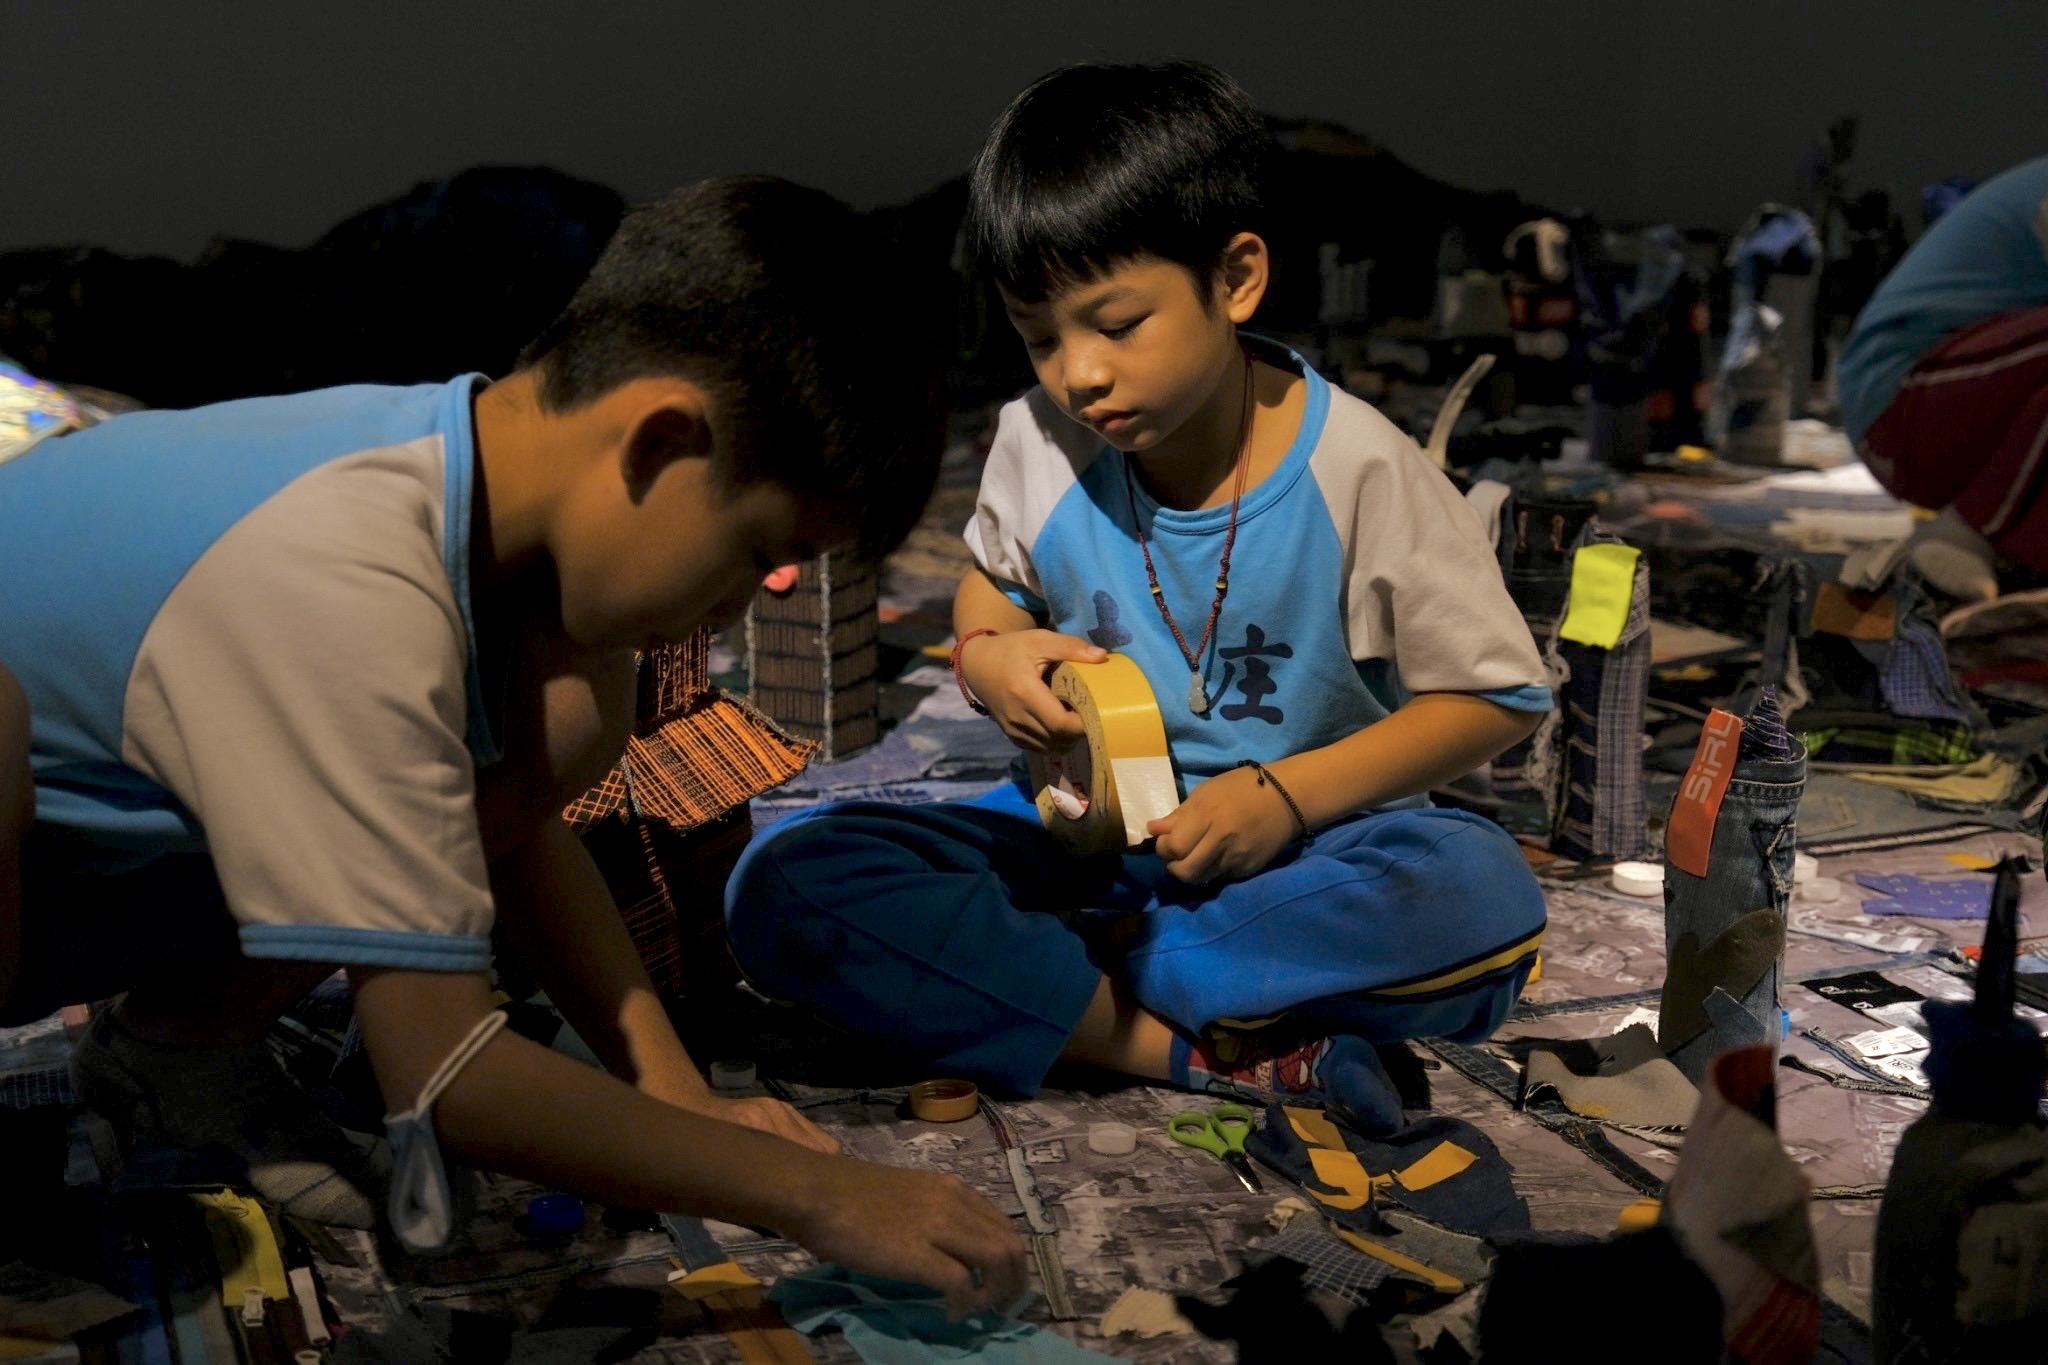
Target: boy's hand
{"type": "Point", "coordinates": [1007, 673]}
{"type": "Point", "coordinates": [767, 1115]}
{"type": "Point", "coordinates": [919, 1226]}
{"type": "Point", "coordinates": [1229, 828]}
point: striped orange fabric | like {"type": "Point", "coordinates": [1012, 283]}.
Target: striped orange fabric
{"type": "Point", "coordinates": [718, 755]}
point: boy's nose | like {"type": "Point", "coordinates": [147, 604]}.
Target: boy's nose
{"type": "Point", "coordinates": [1087, 379]}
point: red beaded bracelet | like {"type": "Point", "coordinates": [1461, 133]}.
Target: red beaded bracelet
{"type": "Point", "coordinates": [960, 681]}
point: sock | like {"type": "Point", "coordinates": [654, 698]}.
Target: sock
{"type": "Point", "coordinates": [238, 1098]}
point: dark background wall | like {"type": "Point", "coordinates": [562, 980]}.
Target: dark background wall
{"type": "Point", "coordinates": [150, 127]}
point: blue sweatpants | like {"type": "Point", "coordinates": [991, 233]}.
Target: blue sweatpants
{"type": "Point", "coordinates": [960, 933]}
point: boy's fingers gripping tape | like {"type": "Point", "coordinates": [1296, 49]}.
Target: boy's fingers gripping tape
{"type": "Point", "coordinates": [1098, 794]}
{"type": "Point", "coordinates": [944, 1101]}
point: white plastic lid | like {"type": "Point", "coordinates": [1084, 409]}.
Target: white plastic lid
{"type": "Point", "coordinates": [1639, 879]}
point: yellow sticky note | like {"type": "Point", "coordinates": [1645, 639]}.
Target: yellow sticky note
{"type": "Point", "coordinates": [1974, 862]}
{"type": "Point", "coordinates": [1603, 578]}
{"type": "Point", "coordinates": [1445, 1160]}
{"type": "Point", "coordinates": [243, 1246]}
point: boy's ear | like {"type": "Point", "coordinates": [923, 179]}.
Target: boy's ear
{"type": "Point", "coordinates": [1247, 269]}
{"type": "Point", "coordinates": [678, 428]}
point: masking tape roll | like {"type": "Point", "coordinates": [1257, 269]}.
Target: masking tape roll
{"type": "Point", "coordinates": [1098, 794]}
{"type": "Point", "coordinates": [1638, 879]}
{"type": "Point", "coordinates": [944, 1101]}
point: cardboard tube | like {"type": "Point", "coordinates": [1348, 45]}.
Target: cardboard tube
{"type": "Point", "coordinates": [1118, 775]}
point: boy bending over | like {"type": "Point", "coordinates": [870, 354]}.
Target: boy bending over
{"type": "Point", "coordinates": [307, 681]}
{"type": "Point", "coordinates": [1301, 588]}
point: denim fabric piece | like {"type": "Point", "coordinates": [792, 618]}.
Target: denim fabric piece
{"type": "Point", "coordinates": [1479, 1200]}
{"type": "Point", "coordinates": [888, 1322]}
{"type": "Point", "coordinates": [1600, 813]}
{"type": "Point", "coordinates": [1749, 868]}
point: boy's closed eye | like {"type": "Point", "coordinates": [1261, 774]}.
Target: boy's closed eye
{"type": "Point", "coordinates": [1123, 329]}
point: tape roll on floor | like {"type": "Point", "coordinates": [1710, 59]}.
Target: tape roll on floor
{"type": "Point", "coordinates": [944, 1101]}
{"type": "Point", "coordinates": [1098, 795]}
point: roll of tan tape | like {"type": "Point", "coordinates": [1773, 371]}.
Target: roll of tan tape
{"type": "Point", "coordinates": [944, 1101]}
{"type": "Point", "coordinates": [1098, 794]}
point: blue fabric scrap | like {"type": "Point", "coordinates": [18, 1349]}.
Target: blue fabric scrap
{"type": "Point", "coordinates": [1927, 897]}
{"type": "Point", "coordinates": [889, 1322]}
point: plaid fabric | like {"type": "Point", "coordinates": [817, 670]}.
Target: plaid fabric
{"type": "Point", "coordinates": [702, 764]}
{"type": "Point", "coordinates": [1916, 681]}
{"type": "Point", "coordinates": [1327, 1263]}
{"type": "Point", "coordinates": [1911, 745]}
{"type": "Point", "coordinates": [673, 677]}
{"type": "Point", "coordinates": [1600, 815]}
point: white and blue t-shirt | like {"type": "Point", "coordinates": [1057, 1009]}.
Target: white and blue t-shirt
{"type": "Point", "coordinates": [1359, 578]}
{"type": "Point", "coordinates": [246, 629]}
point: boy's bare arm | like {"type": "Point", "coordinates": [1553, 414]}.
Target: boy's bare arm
{"type": "Point", "coordinates": [531, 1112]}
{"type": "Point", "coordinates": [1231, 827]}
{"type": "Point", "coordinates": [558, 912]}
{"type": "Point", "coordinates": [1006, 672]}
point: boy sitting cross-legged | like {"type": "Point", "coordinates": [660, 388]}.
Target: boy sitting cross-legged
{"type": "Point", "coordinates": [1316, 610]}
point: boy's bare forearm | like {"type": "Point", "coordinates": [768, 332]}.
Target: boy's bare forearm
{"type": "Point", "coordinates": [981, 605]}
{"type": "Point", "coordinates": [1436, 738]}
{"type": "Point", "coordinates": [561, 917]}
{"type": "Point", "coordinates": [528, 1111]}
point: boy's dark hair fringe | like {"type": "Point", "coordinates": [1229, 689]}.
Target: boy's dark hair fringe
{"type": "Point", "coordinates": [1092, 166]}
{"type": "Point", "coordinates": [817, 338]}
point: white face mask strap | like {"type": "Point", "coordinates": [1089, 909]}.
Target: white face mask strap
{"type": "Point", "coordinates": [451, 1066]}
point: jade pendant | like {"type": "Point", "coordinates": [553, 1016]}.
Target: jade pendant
{"type": "Point", "coordinates": [1198, 695]}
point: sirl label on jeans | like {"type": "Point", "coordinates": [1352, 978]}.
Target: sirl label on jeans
{"type": "Point", "coordinates": [1689, 838]}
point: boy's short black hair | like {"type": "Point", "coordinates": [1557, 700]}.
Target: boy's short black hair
{"type": "Point", "coordinates": [1093, 166]}
{"type": "Point", "coordinates": [816, 336]}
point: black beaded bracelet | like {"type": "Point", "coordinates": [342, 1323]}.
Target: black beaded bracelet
{"type": "Point", "coordinates": [1265, 778]}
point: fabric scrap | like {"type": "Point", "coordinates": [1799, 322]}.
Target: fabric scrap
{"type": "Point", "coordinates": [889, 1322]}
{"type": "Point", "coordinates": [1479, 1199]}
{"type": "Point", "coordinates": [1445, 1160]}
{"type": "Point", "coordinates": [1735, 960]}
{"type": "Point", "coordinates": [1903, 893]}
{"type": "Point", "coordinates": [1987, 780]}
{"type": "Point", "coordinates": [1634, 1083]}
{"type": "Point", "coordinates": [1858, 615]}
{"type": "Point", "coordinates": [1327, 1263]}
{"type": "Point", "coordinates": [1144, 1313]}
{"type": "Point", "coordinates": [1916, 680]}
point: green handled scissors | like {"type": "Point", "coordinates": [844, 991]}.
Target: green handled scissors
{"type": "Point", "coordinates": [1221, 1133]}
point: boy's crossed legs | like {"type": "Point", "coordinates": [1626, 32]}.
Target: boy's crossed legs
{"type": "Point", "coordinates": [964, 935]}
